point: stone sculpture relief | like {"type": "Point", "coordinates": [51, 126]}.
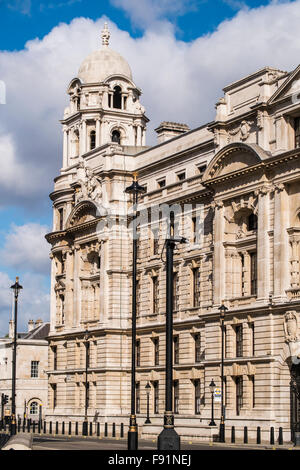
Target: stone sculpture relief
{"type": "Point", "coordinates": [90, 186]}
{"type": "Point", "coordinates": [291, 327]}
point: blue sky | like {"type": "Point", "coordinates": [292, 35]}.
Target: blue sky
{"type": "Point", "coordinates": [22, 20]}
{"type": "Point", "coordinates": [182, 53]}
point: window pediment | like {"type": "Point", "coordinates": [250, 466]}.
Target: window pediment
{"type": "Point", "coordinates": [232, 158]}
{"type": "Point", "coordinates": [82, 213]}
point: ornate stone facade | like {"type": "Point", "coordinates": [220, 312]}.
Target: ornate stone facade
{"type": "Point", "coordinates": [241, 174]}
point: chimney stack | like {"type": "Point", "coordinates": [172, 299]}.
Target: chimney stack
{"type": "Point", "coordinates": [167, 130]}
{"type": "Point", "coordinates": [30, 325]}
{"type": "Point", "coordinates": [38, 322]}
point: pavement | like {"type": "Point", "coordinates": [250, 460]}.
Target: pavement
{"type": "Point", "coordinates": [52, 442]}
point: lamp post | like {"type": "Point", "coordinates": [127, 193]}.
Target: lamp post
{"type": "Point", "coordinates": [168, 439]}
{"type": "Point", "coordinates": [148, 388]}
{"type": "Point", "coordinates": [223, 310]}
{"type": "Point", "coordinates": [212, 387]}
{"type": "Point", "coordinates": [135, 189]}
{"type": "Point", "coordinates": [85, 422]}
{"type": "Point", "coordinates": [16, 288]}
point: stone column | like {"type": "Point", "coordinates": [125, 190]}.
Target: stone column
{"type": "Point", "coordinates": [295, 262]}
{"type": "Point", "coordinates": [281, 243]}
{"type": "Point", "coordinates": [76, 287]}
{"type": "Point", "coordinates": [69, 288]}
{"type": "Point", "coordinates": [246, 274]}
{"type": "Point", "coordinates": [139, 136]}
{"type": "Point", "coordinates": [83, 138]}
{"type": "Point", "coordinates": [263, 245]}
{"type": "Point", "coordinates": [144, 136]}
{"type": "Point", "coordinates": [219, 254]}
{"type": "Point", "coordinates": [65, 147]}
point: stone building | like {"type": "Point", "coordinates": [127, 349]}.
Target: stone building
{"type": "Point", "coordinates": [235, 185]}
{"type": "Point", "coordinates": [31, 370]}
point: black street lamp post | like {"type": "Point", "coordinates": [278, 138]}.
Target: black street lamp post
{"type": "Point", "coordinates": [85, 422]}
{"type": "Point", "coordinates": [16, 288]}
{"type": "Point", "coordinates": [135, 189]}
{"type": "Point", "coordinates": [223, 310]}
{"type": "Point", "coordinates": [148, 388]}
{"type": "Point", "coordinates": [212, 387]}
{"type": "Point", "coordinates": [168, 439]}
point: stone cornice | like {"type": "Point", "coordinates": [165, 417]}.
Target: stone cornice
{"type": "Point", "coordinates": [264, 165]}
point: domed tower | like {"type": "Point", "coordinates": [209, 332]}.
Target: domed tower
{"type": "Point", "coordinates": [104, 128]}
{"type": "Point", "coordinates": [104, 105]}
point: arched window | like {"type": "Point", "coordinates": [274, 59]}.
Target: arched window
{"type": "Point", "coordinates": [252, 222]}
{"type": "Point", "coordinates": [34, 408]}
{"type": "Point", "coordinates": [117, 98]}
{"type": "Point", "coordinates": [92, 140]}
{"type": "Point", "coordinates": [116, 137]}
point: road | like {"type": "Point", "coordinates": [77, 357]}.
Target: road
{"type": "Point", "coordinates": [79, 443]}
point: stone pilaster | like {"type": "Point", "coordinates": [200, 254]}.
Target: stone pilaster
{"type": "Point", "coordinates": [281, 243]}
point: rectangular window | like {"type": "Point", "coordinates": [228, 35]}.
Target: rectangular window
{"type": "Point", "coordinates": [239, 394]}
{"type": "Point", "coordinates": [137, 398]}
{"type": "Point", "coordinates": [176, 396]}
{"type": "Point", "coordinates": [156, 351]}
{"type": "Point", "coordinates": [54, 352]}
{"type": "Point", "coordinates": [34, 369]}
{"type": "Point", "coordinates": [176, 349]}
{"type": "Point", "coordinates": [156, 397]}
{"type": "Point", "coordinates": [197, 396]}
{"type": "Point", "coordinates": [252, 345]}
{"type": "Point", "coordinates": [201, 169]}
{"type": "Point", "coordinates": [196, 287]}
{"type": "Point", "coordinates": [87, 385]}
{"type": "Point", "coordinates": [161, 183]}
{"type": "Point", "coordinates": [155, 241]}
{"type": "Point", "coordinates": [252, 384]}
{"type": "Point", "coordinates": [87, 354]}
{"type": "Point", "coordinates": [54, 395]}
{"type": "Point", "coordinates": [138, 352]}
{"type": "Point", "coordinates": [239, 340]}
{"type": "Point", "coordinates": [181, 176]}
{"type": "Point", "coordinates": [197, 339]}
{"type": "Point", "coordinates": [155, 294]}
{"type": "Point", "coordinates": [253, 274]}
{"type": "Point", "coordinates": [175, 292]}
{"type": "Point", "coordinates": [137, 287]}
{"type": "Point", "coordinates": [60, 219]}
{"type": "Point", "coordinates": [297, 132]}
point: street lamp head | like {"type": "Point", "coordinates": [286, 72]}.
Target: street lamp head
{"type": "Point", "coordinates": [223, 309]}
{"type": "Point", "coordinates": [16, 287]}
{"type": "Point", "coordinates": [148, 386]}
{"type": "Point", "coordinates": [212, 386]}
{"type": "Point", "coordinates": [135, 187]}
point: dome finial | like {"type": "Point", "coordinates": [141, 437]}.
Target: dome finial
{"type": "Point", "coordinates": [105, 35]}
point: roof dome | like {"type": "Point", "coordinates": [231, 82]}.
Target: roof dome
{"type": "Point", "coordinates": [102, 63]}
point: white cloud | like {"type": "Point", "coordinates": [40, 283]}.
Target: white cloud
{"type": "Point", "coordinates": [147, 12]}
{"type": "Point", "coordinates": [180, 81]}
{"type": "Point", "coordinates": [33, 302]}
{"type": "Point", "coordinates": [25, 248]}
{"type": "Point", "coordinates": [22, 6]}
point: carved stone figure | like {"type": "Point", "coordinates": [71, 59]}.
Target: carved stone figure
{"type": "Point", "coordinates": [291, 326]}
{"type": "Point", "coordinates": [90, 187]}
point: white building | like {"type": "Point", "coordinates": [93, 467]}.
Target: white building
{"type": "Point", "coordinates": [31, 367]}
{"type": "Point", "coordinates": [243, 171]}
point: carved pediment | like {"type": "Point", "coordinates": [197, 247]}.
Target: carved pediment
{"type": "Point", "coordinates": [232, 158]}
{"type": "Point", "coordinates": [290, 89]}
{"type": "Point", "coordinates": [83, 212]}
